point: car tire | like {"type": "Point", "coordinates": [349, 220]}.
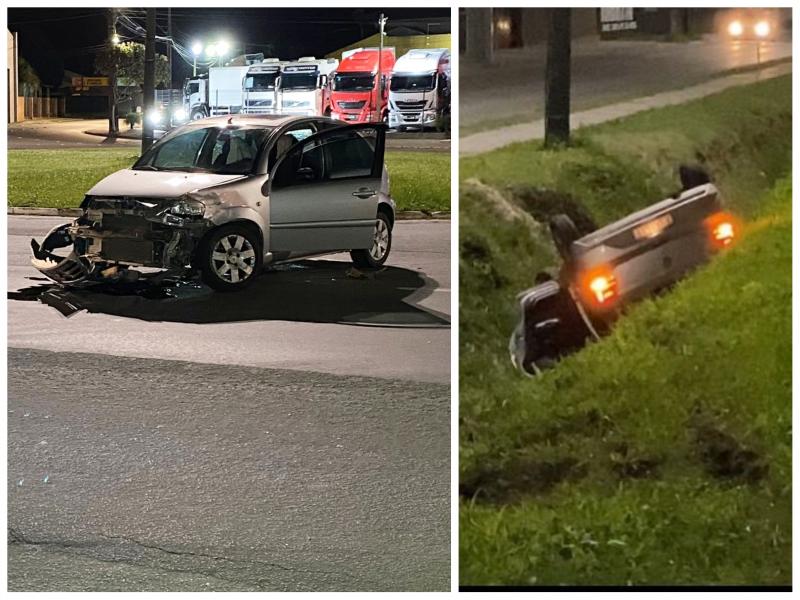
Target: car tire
{"type": "Point", "coordinates": [197, 114]}
{"type": "Point", "coordinates": [230, 257]}
{"type": "Point", "coordinates": [375, 256]}
{"type": "Point", "coordinates": [564, 232]}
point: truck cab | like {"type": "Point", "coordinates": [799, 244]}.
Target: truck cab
{"type": "Point", "coordinates": [360, 85]}
{"type": "Point", "coordinates": [419, 92]}
{"type": "Point", "coordinates": [303, 87]}
{"type": "Point", "coordinates": [260, 87]}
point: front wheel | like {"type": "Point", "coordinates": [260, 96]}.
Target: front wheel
{"type": "Point", "coordinates": [230, 258]}
{"type": "Point", "coordinates": [381, 245]}
{"type": "Point", "coordinates": [198, 113]}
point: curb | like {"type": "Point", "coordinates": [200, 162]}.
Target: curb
{"type": "Point", "coordinates": [104, 134]}
{"type": "Point", "coordinates": [34, 211]}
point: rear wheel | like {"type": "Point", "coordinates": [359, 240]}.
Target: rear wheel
{"type": "Point", "coordinates": [564, 232]}
{"type": "Point", "coordinates": [230, 257]}
{"type": "Point", "coordinates": [376, 255]}
{"type": "Point", "coordinates": [198, 113]}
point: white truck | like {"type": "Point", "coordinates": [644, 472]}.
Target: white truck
{"type": "Point", "coordinates": [419, 91]}
{"type": "Point", "coordinates": [260, 87]}
{"type": "Point", "coordinates": [303, 86]}
{"type": "Point", "coordinates": [218, 94]}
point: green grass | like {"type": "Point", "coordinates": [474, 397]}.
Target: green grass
{"type": "Point", "coordinates": [662, 454]}
{"type": "Point", "coordinates": [60, 178]}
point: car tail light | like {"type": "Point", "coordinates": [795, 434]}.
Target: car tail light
{"type": "Point", "coordinates": [600, 286]}
{"type": "Point", "coordinates": [722, 228]}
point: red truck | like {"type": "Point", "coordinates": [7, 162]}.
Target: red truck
{"type": "Point", "coordinates": [360, 81]}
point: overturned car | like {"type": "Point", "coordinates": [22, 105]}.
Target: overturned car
{"type": "Point", "coordinates": [607, 269]}
{"type": "Point", "coordinates": [226, 195]}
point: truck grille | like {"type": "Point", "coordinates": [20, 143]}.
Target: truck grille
{"type": "Point", "coordinates": [408, 105]}
{"type": "Point", "coordinates": [258, 103]}
{"type": "Point", "coordinates": [352, 105]}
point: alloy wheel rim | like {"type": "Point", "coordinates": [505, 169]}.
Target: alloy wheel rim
{"type": "Point", "coordinates": [380, 240]}
{"type": "Point", "coordinates": [233, 258]}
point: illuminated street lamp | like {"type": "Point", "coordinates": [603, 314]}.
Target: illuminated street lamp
{"type": "Point", "coordinates": [115, 39]}
{"type": "Point", "coordinates": [222, 49]}
{"type": "Point", "coordinates": [197, 49]}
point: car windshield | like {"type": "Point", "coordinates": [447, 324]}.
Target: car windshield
{"type": "Point", "coordinates": [259, 82]}
{"type": "Point", "coordinates": [221, 150]}
{"type": "Point", "coordinates": [299, 81]}
{"type": "Point", "coordinates": [412, 83]}
{"type": "Point", "coordinates": [353, 82]}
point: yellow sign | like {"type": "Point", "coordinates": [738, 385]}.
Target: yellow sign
{"type": "Point", "coordinates": [83, 83]}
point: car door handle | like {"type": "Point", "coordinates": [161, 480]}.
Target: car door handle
{"type": "Point", "coordinates": [363, 193]}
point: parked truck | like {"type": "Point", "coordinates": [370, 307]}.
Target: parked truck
{"type": "Point", "coordinates": [359, 89]}
{"type": "Point", "coordinates": [419, 91]}
{"type": "Point", "coordinates": [220, 93]}
{"type": "Point", "coordinates": [303, 86]}
{"type": "Point", "coordinates": [260, 87]}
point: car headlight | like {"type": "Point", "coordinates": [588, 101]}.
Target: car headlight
{"type": "Point", "coordinates": [154, 117]}
{"type": "Point", "coordinates": [179, 115]}
{"type": "Point", "coordinates": [762, 29]}
{"type": "Point", "coordinates": [188, 208]}
{"type": "Point", "coordinates": [735, 28]}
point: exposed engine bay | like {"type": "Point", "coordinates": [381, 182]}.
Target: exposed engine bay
{"type": "Point", "coordinates": [114, 234]}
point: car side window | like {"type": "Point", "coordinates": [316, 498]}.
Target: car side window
{"type": "Point", "coordinates": [350, 153]}
{"type": "Point", "coordinates": [303, 165]}
{"type": "Point", "coordinates": [337, 154]}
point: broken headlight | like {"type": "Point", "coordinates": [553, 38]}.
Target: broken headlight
{"type": "Point", "coordinates": [187, 208]}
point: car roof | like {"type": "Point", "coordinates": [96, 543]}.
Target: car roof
{"type": "Point", "coordinates": [266, 121]}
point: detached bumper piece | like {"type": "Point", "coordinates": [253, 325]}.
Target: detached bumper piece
{"type": "Point", "coordinates": [66, 268]}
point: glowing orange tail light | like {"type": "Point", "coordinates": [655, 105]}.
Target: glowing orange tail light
{"type": "Point", "coordinates": [722, 229]}
{"type": "Point", "coordinates": [601, 287]}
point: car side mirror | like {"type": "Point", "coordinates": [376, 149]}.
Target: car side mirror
{"type": "Point", "coordinates": [305, 174]}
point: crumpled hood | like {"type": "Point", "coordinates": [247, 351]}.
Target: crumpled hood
{"type": "Point", "coordinates": [156, 184]}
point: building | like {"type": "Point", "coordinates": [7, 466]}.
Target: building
{"type": "Point", "coordinates": [484, 30]}
{"type": "Point", "coordinates": [11, 78]}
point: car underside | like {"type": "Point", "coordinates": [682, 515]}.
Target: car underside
{"type": "Point", "coordinates": [606, 270]}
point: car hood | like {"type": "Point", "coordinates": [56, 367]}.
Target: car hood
{"type": "Point", "coordinates": [157, 184]}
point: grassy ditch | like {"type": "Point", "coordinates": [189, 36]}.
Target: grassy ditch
{"type": "Point", "coordinates": [60, 178]}
{"type": "Point", "coordinates": [662, 454]}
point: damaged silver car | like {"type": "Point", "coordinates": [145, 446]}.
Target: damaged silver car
{"type": "Point", "coordinates": [224, 196]}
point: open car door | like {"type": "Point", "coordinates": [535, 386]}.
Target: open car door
{"type": "Point", "coordinates": [324, 190]}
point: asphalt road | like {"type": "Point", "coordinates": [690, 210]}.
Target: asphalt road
{"type": "Point", "coordinates": [310, 336]}
{"type": "Point", "coordinates": [164, 444]}
{"type": "Point", "coordinates": [603, 72]}
{"type": "Point", "coordinates": [141, 474]}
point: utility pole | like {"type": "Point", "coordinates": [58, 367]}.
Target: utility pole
{"type": "Point", "coordinates": [113, 121]}
{"type": "Point", "coordinates": [169, 45]}
{"type": "Point", "coordinates": [149, 78]}
{"type": "Point", "coordinates": [557, 78]}
{"type": "Point", "coordinates": [379, 103]}
{"type": "Point", "coordinates": [480, 35]}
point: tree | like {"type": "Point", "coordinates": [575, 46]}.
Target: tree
{"type": "Point", "coordinates": [126, 62]}
{"type": "Point", "coordinates": [557, 78]}
{"type": "Point", "coordinates": [29, 81]}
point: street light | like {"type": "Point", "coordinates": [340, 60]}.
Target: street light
{"type": "Point", "coordinates": [115, 39]}
{"type": "Point", "coordinates": [222, 49]}
{"type": "Point", "coordinates": [197, 49]}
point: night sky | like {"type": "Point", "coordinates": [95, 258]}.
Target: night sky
{"type": "Point", "coordinates": [54, 39]}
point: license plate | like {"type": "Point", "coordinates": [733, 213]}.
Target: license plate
{"type": "Point", "coordinates": [652, 228]}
